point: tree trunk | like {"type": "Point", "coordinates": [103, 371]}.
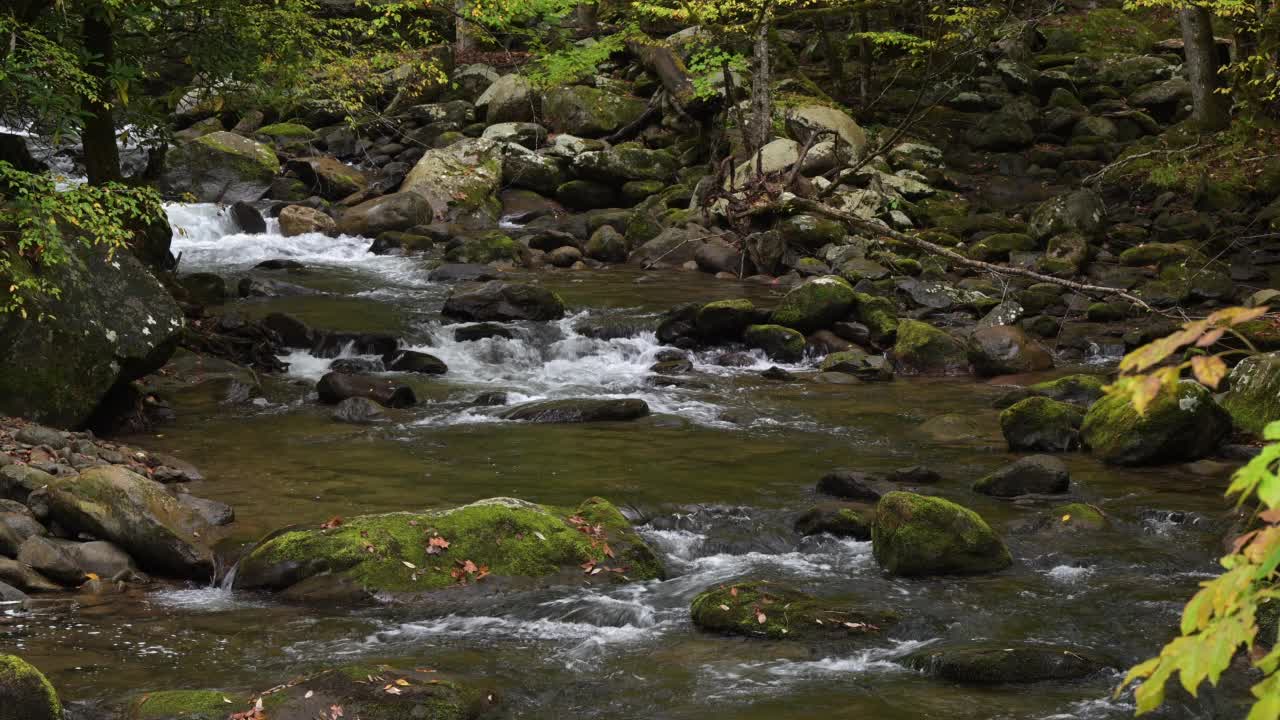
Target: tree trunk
{"type": "Point", "coordinates": [588, 17]}
{"type": "Point", "coordinates": [1209, 108]}
{"type": "Point", "coordinates": [864, 57]}
{"type": "Point", "coordinates": [761, 129]}
{"type": "Point", "coordinates": [462, 40]}
{"type": "Point", "coordinates": [671, 71]}
{"type": "Point", "coordinates": [101, 156]}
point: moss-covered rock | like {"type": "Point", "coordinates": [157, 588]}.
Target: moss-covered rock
{"type": "Point", "coordinates": [25, 693]}
{"type": "Point", "coordinates": [998, 246]}
{"type": "Point", "coordinates": [587, 111]}
{"type": "Point", "coordinates": [1182, 423]}
{"type": "Point", "coordinates": [220, 167]}
{"type": "Point", "coordinates": [492, 246]}
{"type": "Point", "coordinates": [1158, 253]}
{"type": "Point", "coordinates": [1042, 425]}
{"type": "Point", "coordinates": [780, 343]}
{"type": "Point", "coordinates": [1074, 517]}
{"type": "Point", "coordinates": [725, 318]}
{"type": "Point", "coordinates": [1081, 212]}
{"type": "Point", "coordinates": [995, 663]}
{"type": "Point", "coordinates": [835, 519]}
{"type": "Point", "coordinates": [460, 181]}
{"type": "Point", "coordinates": [1037, 474]}
{"type": "Point", "coordinates": [756, 608]}
{"type": "Point", "coordinates": [1075, 389]}
{"type": "Point", "coordinates": [815, 304]}
{"type": "Point", "coordinates": [880, 316]}
{"type": "Point", "coordinates": [810, 232]}
{"type": "Point", "coordinates": [922, 349]}
{"type": "Point", "coordinates": [361, 691]}
{"type": "Point", "coordinates": [586, 195]}
{"type": "Point", "coordinates": [627, 162]}
{"type": "Point", "coordinates": [918, 535]}
{"type": "Point", "coordinates": [1254, 396]}
{"type": "Point", "coordinates": [288, 130]}
{"type": "Point", "coordinates": [185, 705]}
{"type": "Point", "coordinates": [501, 541]}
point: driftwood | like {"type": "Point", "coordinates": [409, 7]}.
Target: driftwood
{"type": "Point", "coordinates": [671, 71]}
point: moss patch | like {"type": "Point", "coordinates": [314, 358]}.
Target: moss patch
{"type": "Point", "coordinates": [1181, 423]}
{"type": "Point", "coordinates": [779, 343]}
{"type": "Point", "coordinates": [922, 349]}
{"type": "Point", "coordinates": [815, 304]}
{"type": "Point", "coordinates": [287, 130]}
{"type": "Point", "coordinates": [25, 692]}
{"type": "Point", "coordinates": [185, 705]}
{"type": "Point", "coordinates": [918, 535]}
{"type": "Point", "coordinates": [767, 610]}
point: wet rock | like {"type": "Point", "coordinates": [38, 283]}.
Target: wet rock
{"type": "Point", "coordinates": [291, 330]}
{"type": "Point", "coordinates": [358, 411]}
{"type": "Point", "coordinates": [921, 349]}
{"type": "Point", "coordinates": [25, 694]}
{"type": "Point", "coordinates": [762, 609]}
{"type": "Point", "coordinates": [336, 387]}
{"type": "Point", "coordinates": [995, 663]}
{"type": "Point", "coordinates": [1037, 474]}
{"type": "Point", "coordinates": [781, 344]}
{"type": "Point", "coordinates": [778, 374]}
{"type": "Point", "coordinates": [40, 435]}
{"type": "Point", "coordinates": [11, 594]}
{"type": "Point", "coordinates": [850, 485]}
{"type": "Point", "coordinates": [834, 519]}
{"type": "Point", "coordinates": [138, 515]}
{"type": "Point", "coordinates": [50, 557]}
{"type": "Point", "coordinates": [917, 535]}
{"type": "Point", "coordinates": [500, 301]}
{"type": "Point", "coordinates": [247, 218]}
{"type": "Point", "coordinates": [1080, 390]}
{"type": "Point", "coordinates": [300, 219]}
{"type": "Point", "coordinates": [202, 289]}
{"type": "Point", "coordinates": [15, 528]}
{"type": "Point", "coordinates": [395, 212]}
{"type": "Point", "coordinates": [493, 398]}
{"type": "Point", "coordinates": [356, 366]}
{"type": "Point", "coordinates": [1005, 350]}
{"type": "Point", "coordinates": [415, 362]}
{"type": "Point", "coordinates": [1253, 399]}
{"type": "Point", "coordinates": [482, 331]}
{"type": "Point", "coordinates": [1182, 423]}
{"type": "Point", "coordinates": [717, 256]}
{"type": "Point", "coordinates": [1042, 425]}
{"type": "Point", "coordinates": [462, 272]}
{"type": "Point", "coordinates": [327, 177]}
{"type": "Point", "coordinates": [815, 304]}
{"type": "Point", "coordinates": [914, 475]}
{"type": "Point", "coordinates": [269, 288]}
{"type": "Point", "coordinates": [25, 578]}
{"type": "Point", "coordinates": [104, 560]}
{"type": "Point", "coordinates": [334, 343]}
{"type": "Point", "coordinates": [516, 541]}
{"type": "Point", "coordinates": [725, 319]}
{"type": "Point", "coordinates": [578, 411]}
{"type": "Point", "coordinates": [220, 167]}
{"type": "Point", "coordinates": [736, 359]}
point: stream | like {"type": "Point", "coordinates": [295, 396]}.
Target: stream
{"type": "Point", "coordinates": [713, 478]}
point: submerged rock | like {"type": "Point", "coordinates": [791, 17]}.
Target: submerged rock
{"type": "Point", "coordinates": [358, 411]}
{"type": "Point", "coordinates": [335, 387]}
{"type": "Point", "coordinates": [184, 705]}
{"type": "Point", "coordinates": [781, 344]}
{"type": "Point", "coordinates": [993, 663]}
{"type": "Point", "coordinates": [500, 301]}
{"type": "Point", "coordinates": [578, 411]}
{"type": "Point", "coordinates": [1037, 474]}
{"type": "Point", "coordinates": [500, 541]}
{"type": "Point", "coordinates": [1182, 423]}
{"type": "Point", "coordinates": [1041, 424]}
{"type": "Point", "coordinates": [834, 519]}
{"type": "Point", "coordinates": [25, 693]}
{"type": "Point", "coordinates": [757, 608]}
{"type": "Point", "coordinates": [918, 535]}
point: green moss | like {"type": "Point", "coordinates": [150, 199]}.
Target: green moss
{"type": "Point", "coordinates": [918, 535]}
{"type": "Point", "coordinates": [185, 704]}
{"type": "Point", "coordinates": [254, 157]}
{"type": "Point", "coordinates": [1104, 32]}
{"type": "Point", "coordinates": [511, 537]}
{"type": "Point", "coordinates": [493, 246]}
{"type": "Point", "coordinates": [923, 349]}
{"type": "Point", "coordinates": [779, 343]}
{"type": "Point", "coordinates": [1078, 389]}
{"type": "Point", "coordinates": [287, 130]}
{"type": "Point", "coordinates": [788, 614]}
{"type": "Point", "coordinates": [1254, 398]}
{"type": "Point", "coordinates": [815, 304]}
{"type": "Point", "coordinates": [724, 318]}
{"type": "Point", "coordinates": [843, 361]}
{"type": "Point", "coordinates": [1077, 516]}
{"type": "Point", "coordinates": [879, 314]}
{"type": "Point", "coordinates": [998, 246]}
{"type": "Point", "coordinates": [1181, 423]}
{"type": "Point", "coordinates": [26, 692]}
{"type": "Point", "coordinates": [1157, 253]}
{"type": "Point", "coordinates": [424, 695]}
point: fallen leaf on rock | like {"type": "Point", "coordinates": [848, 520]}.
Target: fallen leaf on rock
{"type": "Point", "coordinates": [331, 523]}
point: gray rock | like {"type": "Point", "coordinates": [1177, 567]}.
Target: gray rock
{"type": "Point", "coordinates": [358, 411]}
{"type": "Point", "coordinates": [41, 435]}
{"type": "Point", "coordinates": [500, 301]}
{"type": "Point", "coordinates": [1037, 474]}
{"type": "Point", "coordinates": [220, 167]}
{"type": "Point", "coordinates": [335, 387]}
{"type": "Point", "coordinates": [578, 411]}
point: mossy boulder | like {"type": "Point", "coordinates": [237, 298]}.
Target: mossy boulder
{"type": "Point", "coordinates": [586, 195]}
{"type": "Point", "coordinates": [220, 167]}
{"type": "Point", "coordinates": [1041, 425]}
{"type": "Point", "coordinates": [361, 691]}
{"type": "Point", "coordinates": [499, 301]}
{"type": "Point", "coordinates": [918, 535]}
{"type": "Point", "coordinates": [460, 181]}
{"type": "Point", "coordinates": [761, 609]}
{"type": "Point", "coordinates": [1254, 398]}
{"type": "Point", "coordinates": [1075, 389]}
{"type": "Point", "coordinates": [725, 318]}
{"type": "Point", "coordinates": [587, 111]}
{"type": "Point", "coordinates": [879, 314]}
{"type": "Point", "coordinates": [810, 232]}
{"type": "Point", "coordinates": [998, 246]}
{"type": "Point", "coordinates": [289, 130]}
{"type": "Point", "coordinates": [815, 304]}
{"type": "Point", "coordinates": [487, 247]}
{"type": "Point", "coordinates": [1182, 423]}
{"type": "Point", "coordinates": [627, 162]}
{"type": "Point", "coordinates": [1159, 254]}
{"type": "Point", "coordinates": [1037, 474]}
{"type": "Point", "coordinates": [185, 705]}
{"type": "Point", "coordinates": [780, 343]}
{"type": "Point", "coordinates": [328, 177]}
{"type": "Point", "coordinates": [1073, 517]}
{"type": "Point", "coordinates": [1081, 211]}
{"type": "Point", "coordinates": [835, 519]}
{"type": "Point", "coordinates": [578, 410]}
{"type": "Point", "coordinates": [1001, 662]}
{"type": "Point", "coordinates": [25, 693]}
{"type": "Point", "coordinates": [396, 212]}
{"type": "Point", "coordinates": [922, 349]}
{"type": "Point", "coordinates": [500, 541]}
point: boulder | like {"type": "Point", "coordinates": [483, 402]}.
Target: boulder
{"type": "Point", "coordinates": [459, 181]}
{"type": "Point", "coordinates": [115, 324]}
{"type": "Point", "coordinates": [16, 528]}
{"type": "Point", "coordinates": [586, 195]}
{"type": "Point", "coordinates": [775, 157]}
{"type": "Point", "coordinates": [25, 693]}
{"type": "Point", "coordinates": [415, 362]}
{"type": "Point", "coordinates": [220, 167]}
{"type": "Point", "coordinates": [815, 304]}
{"type": "Point", "coordinates": [1082, 211]}
{"type": "Point", "coordinates": [23, 577]}
{"type": "Point", "coordinates": [625, 162]}
{"type": "Point", "coordinates": [136, 514]}
{"type": "Point", "coordinates": [247, 218]}
{"type": "Point", "coordinates": [805, 121]}
{"type": "Point", "coordinates": [329, 178]}
{"type": "Point", "coordinates": [672, 246]}
{"type": "Point", "coordinates": [510, 98]}
{"type": "Point", "coordinates": [834, 519]}
{"type": "Point", "coordinates": [589, 112]}
{"type": "Point", "coordinates": [300, 219]}
{"type": "Point", "coordinates": [577, 411]}
{"type": "Point", "coordinates": [1005, 350]}
{"type": "Point", "coordinates": [917, 535]}
{"type": "Point", "coordinates": [335, 387]}
{"type": "Point", "coordinates": [762, 609]}
{"type": "Point", "coordinates": [1004, 662]}
{"type": "Point", "coordinates": [781, 344]}
{"type": "Point", "coordinates": [499, 541]}
{"type": "Point", "coordinates": [523, 168]}
{"type": "Point", "coordinates": [525, 134]}
{"type": "Point", "coordinates": [1037, 474]}
{"type": "Point", "coordinates": [1253, 399]}
{"type": "Point", "coordinates": [51, 558]}
{"type": "Point", "coordinates": [395, 212]}
{"type": "Point", "coordinates": [1182, 423]}
{"type": "Point", "coordinates": [501, 302]}
{"type": "Point", "coordinates": [607, 245]}
{"type": "Point", "coordinates": [1001, 131]}
{"type": "Point", "coordinates": [850, 485]}
{"type": "Point", "coordinates": [724, 318]}
{"type": "Point", "coordinates": [358, 411]}
{"type": "Point", "coordinates": [1041, 425]}
{"type": "Point", "coordinates": [1080, 390]}
{"type": "Point", "coordinates": [922, 349]}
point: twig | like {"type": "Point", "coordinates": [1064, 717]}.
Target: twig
{"type": "Point", "coordinates": [1097, 177]}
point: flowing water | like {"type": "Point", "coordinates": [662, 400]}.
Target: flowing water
{"type": "Point", "coordinates": [714, 478]}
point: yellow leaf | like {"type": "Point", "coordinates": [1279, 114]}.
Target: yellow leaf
{"type": "Point", "coordinates": [1209, 369]}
